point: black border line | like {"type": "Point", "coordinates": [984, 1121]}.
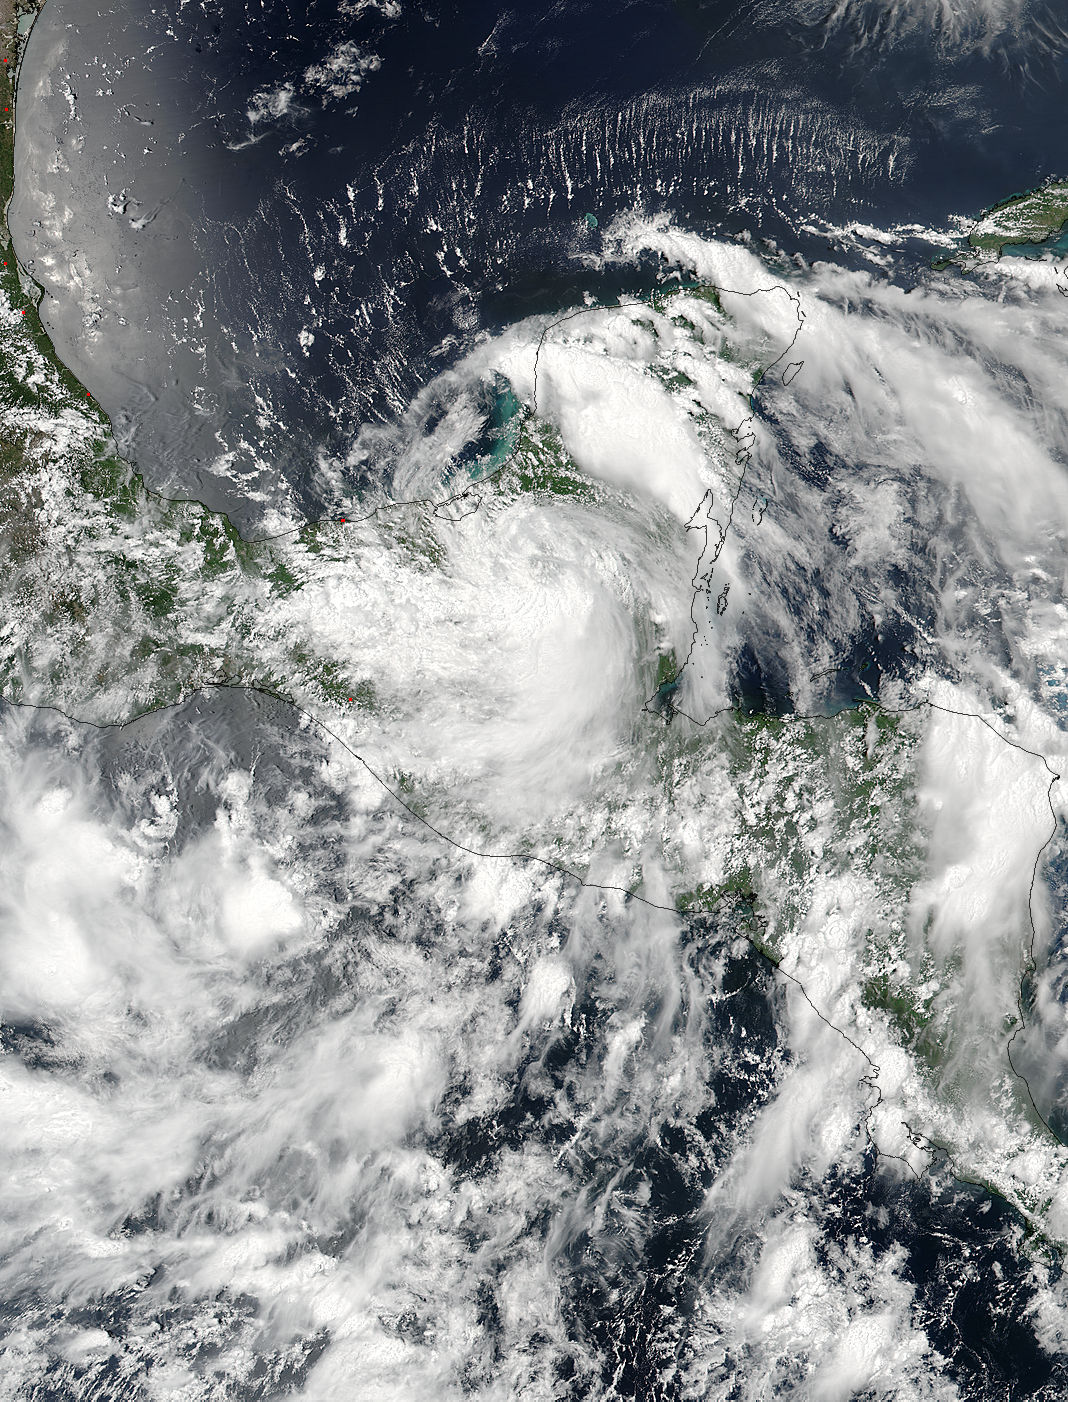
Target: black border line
{"type": "Point", "coordinates": [869, 1078]}
{"type": "Point", "coordinates": [701, 584]}
{"type": "Point", "coordinates": [469, 495]}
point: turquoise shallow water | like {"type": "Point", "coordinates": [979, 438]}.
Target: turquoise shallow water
{"type": "Point", "coordinates": [306, 252]}
{"type": "Point", "coordinates": [1056, 246]}
{"type": "Point", "coordinates": [400, 1090]}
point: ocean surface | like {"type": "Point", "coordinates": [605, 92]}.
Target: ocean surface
{"type": "Point", "coordinates": [514, 962]}
{"type": "Point", "coordinates": [262, 227]}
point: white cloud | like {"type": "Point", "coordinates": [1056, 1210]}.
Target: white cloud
{"type": "Point", "coordinates": [269, 104]}
{"type": "Point", "coordinates": [342, 72]}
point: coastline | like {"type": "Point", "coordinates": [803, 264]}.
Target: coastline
{"type": "Point", "coordinates": [19, 287]}
{"type": "Point", "coordinates": [178, 585]}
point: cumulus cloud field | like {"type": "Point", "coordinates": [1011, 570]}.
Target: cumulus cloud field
{"type": "Point", "coordinates": [490, 997]}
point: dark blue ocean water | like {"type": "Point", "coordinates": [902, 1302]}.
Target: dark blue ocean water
{"type": "Point", "coordinates": [388, 179]}
{"type": "Point", "coordinates": [201, 183]}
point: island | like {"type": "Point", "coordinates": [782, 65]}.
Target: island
{"type": "Point", "coordinates": [1029, 219]}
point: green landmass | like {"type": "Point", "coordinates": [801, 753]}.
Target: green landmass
{"type": "Point", "coordinates": [834, 801]}
{"type": "Point", "coordinates": [118, 601]}
{"type": "Point", "coordinates": [667, 669]}
{"type": "Point", "coordinates": [542, 466]}
{"type": "Point", "coordinates": [1032, 217]}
